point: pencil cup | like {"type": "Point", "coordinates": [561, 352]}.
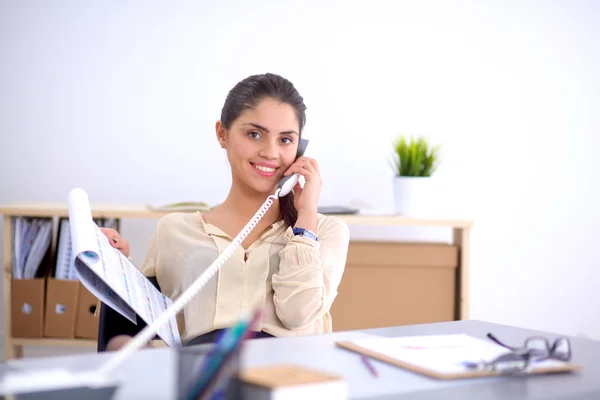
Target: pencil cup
{"type": "Point", "coordinates": [191, 368]}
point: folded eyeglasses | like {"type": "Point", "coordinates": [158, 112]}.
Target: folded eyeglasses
{"type": "Point", "coordinates": [519, 359]}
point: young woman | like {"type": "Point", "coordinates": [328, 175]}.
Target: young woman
{"type": "Point", "coordinates": [291, 263]}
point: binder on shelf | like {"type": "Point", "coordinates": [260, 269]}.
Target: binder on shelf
{"type": "Point", "coordinates": [70, 307]}
{"type": "Point", "coordinates": [62, 289]}
{"type": "Point", "coordinates": [31, 262]}
{"type": "Point", "coordinates": [87, 322]}
{"type": "Point", "coordinates": [61, 308]}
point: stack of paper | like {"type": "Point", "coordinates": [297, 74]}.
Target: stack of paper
{"type": "Point", "coordinates": [32, 237]}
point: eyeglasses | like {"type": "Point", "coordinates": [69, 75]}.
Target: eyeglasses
{"type": "Point", "coordinates": [519, 359]}
{"type": "Point", "coordinates": [539, 348]}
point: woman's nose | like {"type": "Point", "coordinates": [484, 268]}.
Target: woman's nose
{"type": "Point", "coordinates": [269, 150]}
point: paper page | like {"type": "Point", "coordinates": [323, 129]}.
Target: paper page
{"type": "Point", "coordinates": [30, 229]}
{"type": "Point", "coordinates": [102, 291]}
{"type": "Point", "coordinates": [110, 275]}
{"type": "Point", "coordinates": [441, 353]}
{"type": "Point", "coordinates": [16, 256]}
{"type": "Point", "coordinates": [81, 224]}
{"type": "Point", "coordinates": [39, 247]}
{"type": "Point", "coordinates": [64, 258]}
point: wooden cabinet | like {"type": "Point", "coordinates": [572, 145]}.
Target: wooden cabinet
{"type": "Point", "coordinates": [391, 284]}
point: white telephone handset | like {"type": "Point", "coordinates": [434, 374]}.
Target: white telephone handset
{"type": "Point", "coordinates": [287, 183]}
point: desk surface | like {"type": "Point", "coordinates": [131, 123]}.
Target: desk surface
{"type": "Point", "coordinates": [150, 374]}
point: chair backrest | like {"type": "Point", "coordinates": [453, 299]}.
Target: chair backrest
{"type": "Point", "coordinates": [112, 324]}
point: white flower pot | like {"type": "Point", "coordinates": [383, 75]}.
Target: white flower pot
{"type": "Point", "coordinates": [412, 195]}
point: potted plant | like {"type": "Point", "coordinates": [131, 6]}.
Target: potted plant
{"type": "Point", "coordinates": [414, 162]}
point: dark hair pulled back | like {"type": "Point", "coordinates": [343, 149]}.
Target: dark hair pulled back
{"type": "Point", "coordinates": [246, 94]}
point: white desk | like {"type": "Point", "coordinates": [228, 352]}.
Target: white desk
{"type": "Point", "coordinates": [151, 373]}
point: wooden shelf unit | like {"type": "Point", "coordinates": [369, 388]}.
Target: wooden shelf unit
{"type": "Point", "coordinates": [14, 345]}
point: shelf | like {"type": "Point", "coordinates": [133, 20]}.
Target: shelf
{"type": "Point", "coordinates": [141, 211]}
{"type": "Point", "coordinates": [13, 345]}
{"type": "Point", "coordinates": [54, 342]}
{"type": "Point", "coordinates": [49, 209]}
{"type": "Point", "coordinates": [401, 220]}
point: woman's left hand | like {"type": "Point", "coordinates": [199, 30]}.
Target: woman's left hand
{"type": "Point", "coordinates": [307, 198]}
{"type": "Point", "coordinates": [116, 240]}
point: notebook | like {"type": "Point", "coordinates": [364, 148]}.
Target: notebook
{"type": "Point", "coordinates": [444, 356]}
{"type": "Point", "coordinates": [290, 382]}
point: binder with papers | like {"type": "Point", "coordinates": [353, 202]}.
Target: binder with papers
{"type": "Point", "coordinates": [31, 262]}
{"type": "Point", "coordinates": [32, 238]}
{"type": "Point", "coordinates": [109, 274]}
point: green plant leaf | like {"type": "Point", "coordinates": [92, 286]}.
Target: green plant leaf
{"type": "Point", "coordinates": [414, 157]}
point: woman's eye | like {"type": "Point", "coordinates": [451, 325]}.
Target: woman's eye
{"type": "Point", "coordinates": [253, 134]}
{"type": "Point", "coordinates": [287, 140]}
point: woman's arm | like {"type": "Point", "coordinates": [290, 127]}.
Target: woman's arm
{"type": "Point", "coordinates": [310, 273]}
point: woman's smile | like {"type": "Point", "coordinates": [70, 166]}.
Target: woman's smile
{"type": "Point", "coordinates": [263, 169]}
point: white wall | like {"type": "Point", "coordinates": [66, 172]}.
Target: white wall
{"type": "Point", "coordinates": [121, 99]}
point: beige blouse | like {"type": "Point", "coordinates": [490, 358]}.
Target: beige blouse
{"type": "Point", "coordinates": [293, 277]}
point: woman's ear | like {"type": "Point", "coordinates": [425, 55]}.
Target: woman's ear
{"type": "Point", "coordinates": [221, 134]}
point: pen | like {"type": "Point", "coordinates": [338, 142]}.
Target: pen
{"type": "Point", "coordinates": [369, 365]}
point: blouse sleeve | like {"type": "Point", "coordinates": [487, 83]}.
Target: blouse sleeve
{"type": "Point", "coordinates": [310, 273]}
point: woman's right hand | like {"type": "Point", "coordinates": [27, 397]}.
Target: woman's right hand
{"type": "Point", "coordinates": [116, 240]}
{"type": "Point", "coordinates": [120, 341]}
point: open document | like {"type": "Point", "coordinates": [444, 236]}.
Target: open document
{"type": "Point", "coordinates": [110, 276]}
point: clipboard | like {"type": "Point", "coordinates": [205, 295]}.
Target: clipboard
{"type": "Point", "coordinates": [442, 357]}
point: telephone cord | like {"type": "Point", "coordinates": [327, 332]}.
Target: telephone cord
{"type": "Point", "coordinates": [150, 331]}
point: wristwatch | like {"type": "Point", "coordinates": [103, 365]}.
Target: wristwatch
{"type": "Point", "coordinates": [305, 233]}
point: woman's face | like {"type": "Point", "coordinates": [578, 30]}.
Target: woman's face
{"type": "Point", "coordinates": [261, 144]}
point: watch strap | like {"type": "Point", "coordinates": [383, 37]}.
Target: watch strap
{"type": "Point", "coordinates": [305, 233]}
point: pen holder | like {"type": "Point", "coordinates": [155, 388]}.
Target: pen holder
{"type": "Point", "coordinates": [189, 369]}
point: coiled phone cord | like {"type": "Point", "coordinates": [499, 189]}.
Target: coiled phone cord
{"type": "Point", "coordinates": [150, 331]}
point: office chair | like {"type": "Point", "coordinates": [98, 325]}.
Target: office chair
{"type": "Point", "coordinates": [111, 323]}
